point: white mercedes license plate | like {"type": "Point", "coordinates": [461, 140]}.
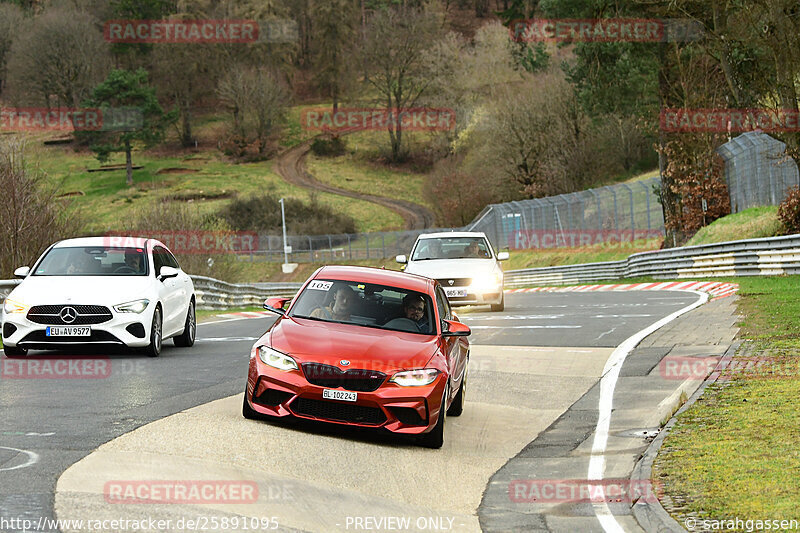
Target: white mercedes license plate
{"type": "Point", "coordinates": [343, 395]}
{"type": "Point", "coordinates": [68, 331]}
{"type": "Point", "coordinates": [455, 292]}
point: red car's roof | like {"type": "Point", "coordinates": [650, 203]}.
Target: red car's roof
{"type": "Point", "coordinates": [392, 278]}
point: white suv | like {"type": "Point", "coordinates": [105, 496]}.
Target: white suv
{"type": "Point", "coordinates": [465, 265]}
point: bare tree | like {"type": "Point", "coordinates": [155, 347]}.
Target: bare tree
{"type": "Point", "coordinates": [31, 215]}
{"type": "Point", "coordinates": [257, 99]}
{"type": "Point", "coordinates": [395, 53]}
{"type": "Point", "coordinates": [534, 133]}
{"type": "Point", "coordinates": [335, 24]}
{"type": "Point", "coordinates": [57, 58]}
{"type": "Point", "coordinates": [185, 73]}
{"type": "Point", "coordinates": [10, 22]}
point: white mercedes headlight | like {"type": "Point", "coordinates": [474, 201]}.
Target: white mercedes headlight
{"type": "Point", "coordinates": [12, 307]}
{"type": "Point", "coordinates": [136, 306]}
{"type": "Point", "coordinates": [415, 378]}
{"type": "Point", "coordinates": [276, 359]}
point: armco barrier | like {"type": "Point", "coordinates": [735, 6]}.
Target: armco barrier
{"type": "Point", "coordinates": [212, 293]}
{"type": "Point", "coordinates": [6, 286]}
{"type": "Point", "coordinates": [754, 257]}
{"type": "Point", "coordinates": [770, 256]}
{"type": "Point", "coordinates": [215, 294]}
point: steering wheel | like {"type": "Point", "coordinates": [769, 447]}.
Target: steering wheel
{"type": "Point", "coordinates": [125, 269]}
{"type": "Point", "coordinates": [403, 324]}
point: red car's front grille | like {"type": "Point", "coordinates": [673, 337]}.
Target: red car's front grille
{"type": "Point", "coordinates": [337, 411]}
{"type": "Point", "coordinates": [359, 380]}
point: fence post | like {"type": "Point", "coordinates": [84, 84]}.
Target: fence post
{"type": "Point", "coordinates": [383, 243]}
{"type": "Point", "coordinates": [599, 214]}
{"type": "Point", "coordinates": [330, 246]}
{"type": "Point", "coordinates": [367, 236]}
{"type": "Point", "coordinates": [310, 249]}
{"type": "Point", "coordinates": [349, 247]}
{"type": "Point", "coordinates": [633, 220]}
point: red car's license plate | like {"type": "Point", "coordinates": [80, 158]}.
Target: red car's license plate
{"type": "Point", "coordinates": [343, 395]}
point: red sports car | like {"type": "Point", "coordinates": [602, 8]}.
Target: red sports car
{"type": "Point", "coordinates": [362, 347]}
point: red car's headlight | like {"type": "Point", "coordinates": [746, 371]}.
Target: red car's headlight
{"type": "Point", "coordinates": [415, 378]}
{"type": "Point", "coordinates": [276, 359]}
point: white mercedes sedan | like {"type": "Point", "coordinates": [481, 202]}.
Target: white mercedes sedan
{"type": "Point", "coordinates": [464, 263]}
{"type": "Point", "coordinates": [100, 291]}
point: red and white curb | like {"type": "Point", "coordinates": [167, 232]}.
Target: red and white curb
{"type": "Point", "coordinates": [716, 289]}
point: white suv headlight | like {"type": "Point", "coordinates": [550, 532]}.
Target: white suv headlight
{"type": "Point", "coordinates": [415, 378]}
{"type": "Point", "coordinates": [488, 282]}
{"type": "Point", "coordinates": [276, 359]}
{"type": "Point", "coordinates": [136, 306]}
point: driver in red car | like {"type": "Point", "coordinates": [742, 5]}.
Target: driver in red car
{"type": "Point", "coordinates": [343, 298]}
{"type": "Point", "coordinates": [414, 309]}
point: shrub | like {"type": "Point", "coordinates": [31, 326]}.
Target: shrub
{"type": "Point", "coordinates": [32, 216]}
{"type": "Point", "coordinates": [173, 219]}
{"type": "Point", "coordinates": [330, 147]}
{"type": "Point", "coordinates": [263, 214]}
{"type": "Point", "coordinates": [789, 211]}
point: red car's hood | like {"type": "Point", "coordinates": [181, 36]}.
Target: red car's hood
{"type": "Point", "coordinates": [371, 348]}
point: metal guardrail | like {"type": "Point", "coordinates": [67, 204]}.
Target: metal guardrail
{"type": "Point", "coordinates": [6, 286]}
{"type": "Point", "coordinates": [212, 293]}
{"type": "Point", "coordinates": [769, 256]}
{"type": "Point", "coordinates": [215, 294]}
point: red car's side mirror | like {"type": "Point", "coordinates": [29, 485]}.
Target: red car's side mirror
{"type": "Point", "coordinates": [275, 304]}
{"type": "Point", "coordinates": [451, 328]}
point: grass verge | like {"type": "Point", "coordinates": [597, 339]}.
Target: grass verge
{"type": "Point", "coordinates": [734, 453]}
{"type": "Point", "coordinates": [752, 223]}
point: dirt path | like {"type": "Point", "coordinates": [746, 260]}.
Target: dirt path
{"type": "Point", "coordinates": [291, 167]}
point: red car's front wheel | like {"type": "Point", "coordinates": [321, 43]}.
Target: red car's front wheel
{"type": "Point", "coordinates": [435, 437]}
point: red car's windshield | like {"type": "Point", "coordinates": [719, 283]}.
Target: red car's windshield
{"type": "Point", "coordinates": [366, 304]}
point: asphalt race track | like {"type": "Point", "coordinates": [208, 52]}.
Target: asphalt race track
{"type": "Point", "coordinates": [530, 366]}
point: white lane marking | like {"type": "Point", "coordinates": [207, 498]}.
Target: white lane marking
{"type": "Point", "coordinates": [608, 382]}
{"type": "Point", "coordinates": [226, 339]}
{"type": "Point", "coordinates": [33, 458]}
{"type": "Point", "coordinates": [525, 327]}
{"type": "Point", "coordinates": [513, 317]}
{"type": "Point", "coordinates": [621, 316]}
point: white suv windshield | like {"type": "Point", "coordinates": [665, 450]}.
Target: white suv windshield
{"type": "Point", "coordinates": [451, 248]}
{"type": "Point", "coordinates": [93, 261]}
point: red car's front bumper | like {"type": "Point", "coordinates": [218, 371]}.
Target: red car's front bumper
{"type": "Point", "coordinates": [410, 410]}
